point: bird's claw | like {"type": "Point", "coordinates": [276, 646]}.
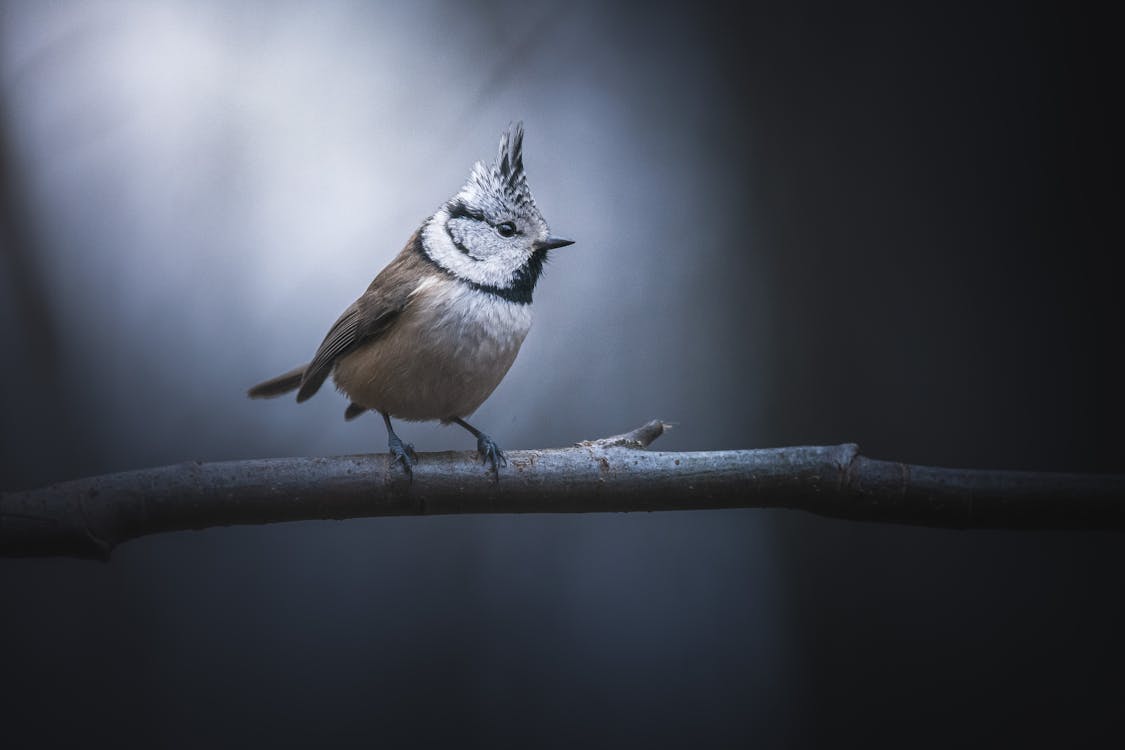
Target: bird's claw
{"type": "Point", "coordinates": [403, 453]}
{"type": "Point", "coordinates": [490, 453]}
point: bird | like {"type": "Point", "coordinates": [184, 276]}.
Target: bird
{"type": "Point", "coordinates": [441, 324]}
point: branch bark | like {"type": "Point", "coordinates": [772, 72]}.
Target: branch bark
{"type": "Point", "coordinates": [89, 517]}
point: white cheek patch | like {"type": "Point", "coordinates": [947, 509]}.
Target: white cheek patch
{"type": "Point", "coordinates": [453, 226]}
{"type": "Point", "coordinates": [497, 270]}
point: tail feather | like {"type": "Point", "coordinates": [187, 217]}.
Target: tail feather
{"type": "Point", "coordinates": [279, 385]}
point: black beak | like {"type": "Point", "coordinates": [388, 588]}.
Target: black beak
{"type": "Point", "coordinates": [551, 243]}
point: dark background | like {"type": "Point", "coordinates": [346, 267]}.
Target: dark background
{"type": "Point", "coordinates": [814, 223]}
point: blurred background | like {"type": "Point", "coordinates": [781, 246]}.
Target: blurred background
{"type": "Point", "coordinates": [814, 223]}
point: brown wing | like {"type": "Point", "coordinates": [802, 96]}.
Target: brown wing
{"type": "Point", "coordinates": [366, 319]}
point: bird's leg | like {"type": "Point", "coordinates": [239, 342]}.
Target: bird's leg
{"type": "Point", "coordinates": [401, 453]}
{"type": "Point", "coordinates": [486, 447]}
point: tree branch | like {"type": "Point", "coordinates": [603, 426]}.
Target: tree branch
{"type": "Point", "coordinates": [89, 517]}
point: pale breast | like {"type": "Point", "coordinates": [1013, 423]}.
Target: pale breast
{"type": "Point", "coordinates": [442, 358]}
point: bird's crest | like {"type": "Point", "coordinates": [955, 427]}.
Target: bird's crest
{"type": "Point", "coordinates": [505, 179]}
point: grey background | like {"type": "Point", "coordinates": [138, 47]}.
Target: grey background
{"type": "Point", "coordinates": [808, 224]}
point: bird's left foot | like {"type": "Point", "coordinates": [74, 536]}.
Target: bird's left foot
{"type": "Point", "coordinates": [403, 454]}
{"type": "Point", "coordinates": [490, 453]}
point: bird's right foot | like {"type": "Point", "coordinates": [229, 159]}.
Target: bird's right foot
{"type": "Point", "coordinates": [402, 453]}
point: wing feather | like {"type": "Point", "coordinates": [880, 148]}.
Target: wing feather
{"type": "Point", "coordinates": [341, 337]}
{"type": "Point", "coordinates": [368, 317]}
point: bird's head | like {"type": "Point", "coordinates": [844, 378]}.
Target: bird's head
{"type": "Point", "coordinates": [491, 233]}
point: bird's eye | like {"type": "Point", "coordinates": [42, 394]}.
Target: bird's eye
{"type": "Point", "coordinates": [506, 229]}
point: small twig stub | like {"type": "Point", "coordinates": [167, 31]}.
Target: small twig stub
{"type": "Point", "coordinates": [642, 437]}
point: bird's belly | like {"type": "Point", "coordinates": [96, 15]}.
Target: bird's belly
{"type": "Point", "coordinates": [442, 358]}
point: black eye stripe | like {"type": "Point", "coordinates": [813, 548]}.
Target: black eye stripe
{"type": "Point", "coordinates": [459, 210]}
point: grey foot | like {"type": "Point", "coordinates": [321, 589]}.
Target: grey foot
{"type": "Point", "coordinates": [490, 452]}
{"type": "Point", "coordinates": [402, 453]}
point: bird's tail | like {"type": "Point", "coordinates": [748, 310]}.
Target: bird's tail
{"type": "Point", "coordinates": [279, 385]}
